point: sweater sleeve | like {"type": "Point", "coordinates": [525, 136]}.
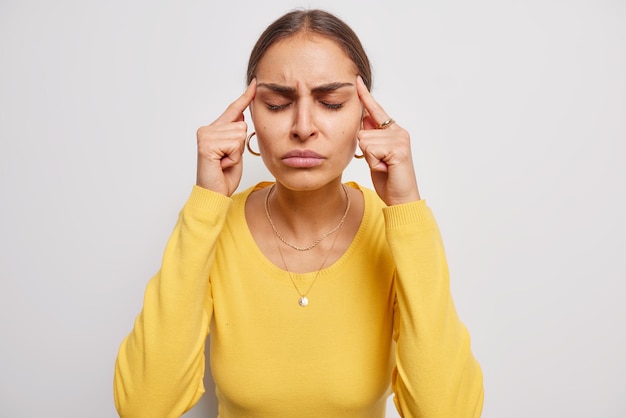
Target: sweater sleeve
{"type": "Point", "coordinates": [160, 364]}
{"type": "Point", "coordinates": [436, 374]}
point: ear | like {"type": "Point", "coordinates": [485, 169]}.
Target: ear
{"type": "Point", "coordinates": [367, 122]}
{"type": "Point", "coordinates": [250, 109]}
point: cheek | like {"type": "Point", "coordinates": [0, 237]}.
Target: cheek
{"type": "Point", "coordinates": [267, 134]}
{"type": "Point", "coordinates": [262, 125]}
{"type": "Point", "coordinates": [348, 142]}
{"type": "Point", "coordinates": [350, 126]}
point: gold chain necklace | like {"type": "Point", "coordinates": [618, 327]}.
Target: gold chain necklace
{"type": "Point", "coordinates": [303, 300]}
{"type": "Point", "coordinates": [295, 247]}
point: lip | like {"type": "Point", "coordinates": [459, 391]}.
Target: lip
{"type": "Point", "coordinates": [302, 159]}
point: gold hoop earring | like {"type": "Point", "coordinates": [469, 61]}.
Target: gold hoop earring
{"type": "Point", "coordinates": [357, 142]}
{"type": "Point", "coordinates": [250, 150]}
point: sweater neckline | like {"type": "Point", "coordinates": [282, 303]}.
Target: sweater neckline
{"type": "Point", "coordinates": [257, 256]}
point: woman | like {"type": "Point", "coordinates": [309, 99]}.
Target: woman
{"type": "Point", "coordinates": [321, 297]}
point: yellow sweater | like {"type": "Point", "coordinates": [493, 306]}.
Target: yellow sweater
{"type": "Point", "coordinates": [380, 318]}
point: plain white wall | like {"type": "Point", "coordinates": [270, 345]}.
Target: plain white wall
{"type": "Point", "coordinates": [517, 112]}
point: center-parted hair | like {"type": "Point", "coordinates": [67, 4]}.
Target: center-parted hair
{"type": "Point", "coordinates": [317, 22]}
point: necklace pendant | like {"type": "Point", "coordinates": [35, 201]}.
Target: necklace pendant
{"type": "Point", "coordinates": [303, 301]}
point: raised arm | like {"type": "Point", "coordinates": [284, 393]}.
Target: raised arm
{"type": "Point", "coordinates": [436, 374]}
{"type": "Point", "coordinates": [160, 365]}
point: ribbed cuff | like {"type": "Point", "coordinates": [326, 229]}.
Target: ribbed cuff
{"type": "Point", "coordinates": [413, 213]}
{"type": "Point", "coordinates": [207, 200]}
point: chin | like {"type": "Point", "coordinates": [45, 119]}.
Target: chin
{"type": "Point", "coordinates": [305, 182]}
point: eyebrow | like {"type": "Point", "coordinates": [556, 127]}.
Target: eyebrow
{"type": "Point", "coordinates": [290, 91]}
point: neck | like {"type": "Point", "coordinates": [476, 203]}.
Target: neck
{"type": "Point", "coordinates": [304, 216]}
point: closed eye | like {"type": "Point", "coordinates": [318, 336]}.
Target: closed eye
{"type": "Point", "coordinates": [277, 107]}
{"type": "Point", "coordinates": [332, 106]}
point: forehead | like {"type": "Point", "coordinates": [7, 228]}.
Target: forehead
{"type": "Point", "coordinates": [305, 59]}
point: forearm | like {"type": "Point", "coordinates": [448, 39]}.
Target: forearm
{"type": "Point", "coordinates": [436, 375]}
{"type": "Point", "coordinates": [160, 364]}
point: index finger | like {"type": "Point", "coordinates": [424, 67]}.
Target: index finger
{"type": "Point", "coordinates": [235, 110]}
{"type": "Point", "coordinates": [376, 112]}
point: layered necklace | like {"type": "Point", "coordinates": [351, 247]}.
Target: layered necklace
{"type": "Point", "coordinates": [317, 241]}
{"type": "Point", "coordinates": [303, 300]}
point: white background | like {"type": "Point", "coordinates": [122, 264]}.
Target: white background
{"type": "Point", "coordinates": [517, 111]}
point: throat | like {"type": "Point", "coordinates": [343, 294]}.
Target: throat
{"type": "Point", "coordinates": [305, 241]}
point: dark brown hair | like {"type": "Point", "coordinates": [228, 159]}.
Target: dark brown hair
{"type": "Point", "coordinates": [316, 22]}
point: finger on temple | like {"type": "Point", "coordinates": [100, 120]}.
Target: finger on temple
{"type": "Point", "coordinates": [375, 111]}
{"type": "Point", "coordinates": [234, 112]}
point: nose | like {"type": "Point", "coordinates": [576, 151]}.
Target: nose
{"type": "Point", "coordinates": [304, 124]}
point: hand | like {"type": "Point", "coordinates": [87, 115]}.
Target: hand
{"type": "Point", "coordinates": [387, 152]}
{"type": "Point", "coordinates": [221, 145]}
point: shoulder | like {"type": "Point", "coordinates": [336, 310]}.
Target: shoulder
{"type": "Point", "coordinates": [370, 197]}
{"type": "Point", "coordinates": [241, 196]}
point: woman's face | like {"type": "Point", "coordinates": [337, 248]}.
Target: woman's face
{"type": "Point", "coordinates": [306, 111]}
